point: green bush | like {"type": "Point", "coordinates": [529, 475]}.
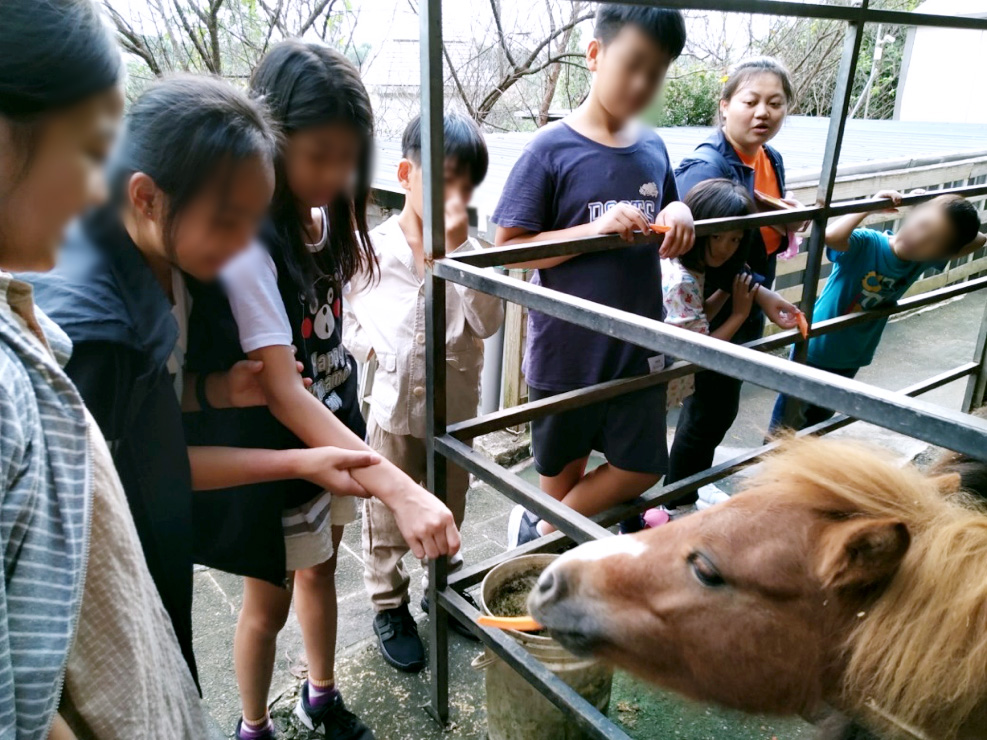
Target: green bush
{"type": "Point", "coordinates": [688, 100]}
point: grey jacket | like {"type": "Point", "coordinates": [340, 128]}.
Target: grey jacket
{"type": "Point", "coordinates": [45, 507]}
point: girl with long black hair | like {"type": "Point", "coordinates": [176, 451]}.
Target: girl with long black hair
{"type": "Point", "coordinates": [283, 301]}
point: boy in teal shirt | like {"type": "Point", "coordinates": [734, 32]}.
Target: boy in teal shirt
{"type": "Point", "coordinates": [871, 269]}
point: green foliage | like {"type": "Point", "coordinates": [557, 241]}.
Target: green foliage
{"type": "Point", "coordinates": [574, 79]}
{"type": "Point", "coordinates": [688, 100]}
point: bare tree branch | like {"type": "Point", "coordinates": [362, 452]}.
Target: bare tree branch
{"type": "Point", "coordinates": [522, 70]}
{"type": "Point", "coordinates": [132, 41]}
{"type": "Point", "coordinates": [192, 34]}
{"type": "Point", "coordinates": [314, 16]}
{"type": "Point", "coordinates": [495, 8]}
{"type": "Point", "coordinates": [555, 70]}
{"type": "Point", "coordinates": [458, 83]}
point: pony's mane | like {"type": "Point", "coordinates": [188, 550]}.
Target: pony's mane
{"type": "Point", "coordinates": [920, 650]}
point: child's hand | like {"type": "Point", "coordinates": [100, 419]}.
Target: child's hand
{"type": "Point", "coordinates": [623, 219]}
{"type": "Point", "coordinates": [329, 467]}
{"type": "Point", "coordinates": [744, 292]}
{"type": "Point", "coordinates": [791, 200]}
{"type": "Point", "coordinates": [425, 523]}
{"type": "Point", "coordinates": [779, 311]}
{"type": "Point", "coordinates": [457, 223]}
{"type": "Point", "coordinates": [239, 387]}
{"type": "Point", "coordinates": [682, 231]}
{"type": "Point", "coordinates": [893, 195]}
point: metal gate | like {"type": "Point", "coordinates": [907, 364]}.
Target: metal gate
{"type": "Point", "coordinates": [895, 410]}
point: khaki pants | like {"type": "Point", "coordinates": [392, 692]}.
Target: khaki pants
{"type": "Point", "coordinates": [383, 546]}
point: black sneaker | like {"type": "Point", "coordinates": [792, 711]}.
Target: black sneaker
{"type": "Point", "coordinates": [398, 637]}
{"type": "Point", "coordinates": [267, 735]}
{"type": "Point", "coordinates": [454, 624]}
{"type": "Point", "coordinates": [332, 718]}
{"type": "Point", "coordinates": [522, 527]}
{"type": "Point", "coordinates": [631, 524]}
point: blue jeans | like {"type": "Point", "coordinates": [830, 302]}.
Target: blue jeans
{"type": "Point", "coordinates": [808, 414]}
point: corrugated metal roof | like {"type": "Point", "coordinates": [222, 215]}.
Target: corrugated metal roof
{"type": "Point", "coordinates": [801, 142]}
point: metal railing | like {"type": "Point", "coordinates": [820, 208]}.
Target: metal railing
{"type": "Point", "coordinates": [895, 410]}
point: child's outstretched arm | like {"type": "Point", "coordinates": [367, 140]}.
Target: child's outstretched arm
{"type": "Point", "coordinates": [329, 467]}
{"type": "Point", "coordinates": [838, 232]}
{"type": "Point", "coordinates": [426, 524]}
{"type": "Point", "coordinates": [779, 311]}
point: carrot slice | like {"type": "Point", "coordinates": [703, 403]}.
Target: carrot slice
{"type": "Point", "coordinates": [521, 624]}
{"type": "Point", "coordinates": [803, 324]}
{"type": "Point", "coordinates": [660, 228]}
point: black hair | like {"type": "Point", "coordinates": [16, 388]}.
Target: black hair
{"type": "Point", "coordinates": [665, 27]}
{"type": "Point", "coordinates": [962, 216]}
{"type": "Point", "coordinates": [185, 131]}
{"type": "Point", "coordinates": [717, 198]}
{"type": "Point", "coordinates": [307, 85]}
{"type": "Point", "coordinates": [55, 53]}
{"type": "Point", "coordinates": [743, 72]}
{"type": "Point", "coordinates": [463, 144]}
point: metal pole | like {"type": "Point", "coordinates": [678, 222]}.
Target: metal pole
{"type": "Point", "coordinates": [433, 161]}
{"type": "Point", "coordinates": [890, 410]}
{"type": "Point", "coordinates": [490, 376]}
{"type": "Point", "coordinates": [822, 10]}
{"type": "Point", "coordinates": [977, 384]}
{"type": "Point", "coordinates": [827, 182]}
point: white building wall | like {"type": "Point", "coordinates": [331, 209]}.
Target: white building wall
{"type": "Point", "coordinates": [943, 75]}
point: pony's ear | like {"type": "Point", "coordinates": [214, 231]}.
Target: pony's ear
{"type": "Point", "coordinates": [861, 552]}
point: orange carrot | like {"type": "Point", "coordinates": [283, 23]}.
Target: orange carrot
{"type": "Point", "coordinates": [660, 228]}
{"type": "Point", "coordinates": [803, 324]}
{"type": "Point", "coordinates": [521, 624]}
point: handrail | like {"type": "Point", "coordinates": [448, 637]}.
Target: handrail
{"type": "Point", "coordinates": [496, 256]}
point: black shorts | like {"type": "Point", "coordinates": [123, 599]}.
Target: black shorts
{"type": "Point", "coordinates": [629, 430]}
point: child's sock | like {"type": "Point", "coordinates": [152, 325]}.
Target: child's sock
{"type": "Point", "coordinates": [321, 692]}
{"type": "Point", "coordinates": [252, 729]}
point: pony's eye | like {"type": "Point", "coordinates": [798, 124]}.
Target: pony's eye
{"type": "Point", "coordinates": [704, 571]}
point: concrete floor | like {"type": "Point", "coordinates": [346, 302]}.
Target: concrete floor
{"type": "Point", "coordinates": [914, 347]}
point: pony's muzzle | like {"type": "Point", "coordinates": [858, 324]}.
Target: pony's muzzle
{"type": "Point", "coordinates": [556, 603]}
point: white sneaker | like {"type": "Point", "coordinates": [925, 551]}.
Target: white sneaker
{"type": "Point", "coordinates": [709, 496]}
{"type": "Point", "coordinates": [680, 511]}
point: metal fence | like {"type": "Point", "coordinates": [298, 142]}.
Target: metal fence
{"type": "Point", "coordinates": [895, 410]}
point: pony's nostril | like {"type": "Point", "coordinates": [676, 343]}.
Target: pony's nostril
{"type": "Point", "coordinates": [546, 584]}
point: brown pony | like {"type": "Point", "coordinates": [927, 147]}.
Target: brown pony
{"type": "Point", "coordinates": [838, 579]}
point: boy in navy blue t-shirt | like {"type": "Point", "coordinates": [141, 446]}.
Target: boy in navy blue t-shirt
{"type": "Point", "coordinates": [599, 172]}
{"type": "Point", "coordinates": [871, 269]}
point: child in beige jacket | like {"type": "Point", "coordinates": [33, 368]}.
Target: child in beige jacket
{"type": "Point", "coordinates": [385, 318]}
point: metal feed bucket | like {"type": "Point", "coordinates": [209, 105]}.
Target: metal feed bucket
{"type": "Point", "coordinates": [515, 709]}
